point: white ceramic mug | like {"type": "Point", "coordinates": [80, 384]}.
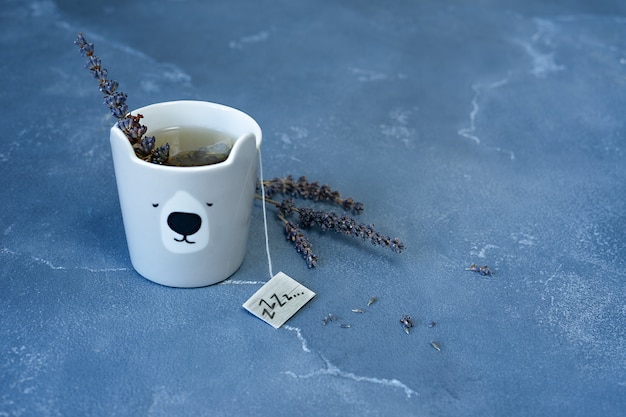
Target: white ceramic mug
{"type": "Point", "coordinates": [188, 226]}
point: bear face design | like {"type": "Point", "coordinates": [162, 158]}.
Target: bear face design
{"type": "Point", "coordinates": [184, 223]}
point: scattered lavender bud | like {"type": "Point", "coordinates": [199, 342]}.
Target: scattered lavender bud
{"type": "Point", "coordinates": [329, 317]}
{"type": "Point", "coordinates": [407, 323]}
{"type": "Point", "coordinates": [482, 270]}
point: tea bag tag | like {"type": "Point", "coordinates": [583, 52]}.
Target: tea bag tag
{"type": "Point", "coordinates": [278, 300]}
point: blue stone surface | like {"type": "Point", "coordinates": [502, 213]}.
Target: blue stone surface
{"type": "Point", "coordinates": [488, 132]}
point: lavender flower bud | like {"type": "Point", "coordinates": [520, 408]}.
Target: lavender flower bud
{"type": "Point", "coordinates": [115, 100]}
{"type": "Point", "coordinates": [161, 154]}
{"type": "Point", "coordinates": [93, 64]}
{"type": "Point", "coordinates": [125, 124]}
{"type": "Point", "coordinates": [86, 49]}
{"type": "Point", "coordinates": [277, 186]}
{"type": "Point", "coordinates": [117, 104]}
{"type": "Point", "coordinates": [120, 111]}
{"type": "Point", "coordinates": [301, 243]}
{"type": "Point", "coordinates": [306, 217]}
{"type": "Point", "coordinates": [108, 87]}
{"type": "Point", "coordinates": [286, 207]}
{"type": "Point", "coordinates": [132, 128]}
{"type": "Point", "coordinates": [397, 246]}
{"type": "Point", "coordinates": [147, 144]}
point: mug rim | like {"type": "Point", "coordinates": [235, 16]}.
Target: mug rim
{"type": "Point", "coordinates": [222, 107]}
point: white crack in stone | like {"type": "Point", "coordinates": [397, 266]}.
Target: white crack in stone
{"type": "Point", "coordinates": [241, 282]}
{"type": "Point", "coordinates": [330, 369]}
{"type": "Point", "coordinates": [55, 267]}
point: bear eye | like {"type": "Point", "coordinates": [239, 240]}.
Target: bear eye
{"type": "Point", "coordinates": [209, 204]}
{"type": "Point", "coordinates": [155, 204]}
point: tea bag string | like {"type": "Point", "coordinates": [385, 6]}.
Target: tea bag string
{"type": "Point", "coordinates": [267, 240]}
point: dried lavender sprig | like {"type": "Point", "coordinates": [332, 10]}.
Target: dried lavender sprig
{"type": "Point", "coordinates": [302, 188]}
{"type": "Point", "coordinates": [116, 101]}
{"type": "Point", "coordinates": [326, 220]}
{"type": "Point", "coordinates": [330, 220]}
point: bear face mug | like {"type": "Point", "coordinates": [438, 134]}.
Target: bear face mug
{"type": "Point", "coordinates": [188, 226]}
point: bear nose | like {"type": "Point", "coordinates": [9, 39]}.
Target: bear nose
{"type": "Point", "coordinates": [184, 223]}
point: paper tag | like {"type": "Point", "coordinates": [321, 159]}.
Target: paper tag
{"type": "Point", "coordinates": [279, 299]}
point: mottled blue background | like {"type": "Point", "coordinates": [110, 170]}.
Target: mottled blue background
{"type": "Point", "coordinates": [488, 132]}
